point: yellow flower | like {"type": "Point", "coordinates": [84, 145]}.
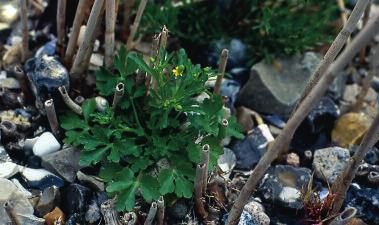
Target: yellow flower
{"type": "Point", "coordinates": [178, 71]}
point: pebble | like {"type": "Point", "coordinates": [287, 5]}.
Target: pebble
{"type": "Point", "coordinates": [76, 198]}
{"type": "Point", "coordinates": [8, 169]}
{"type": "Point", "coordinates": [293, 159]}
{"type": "Point", "coordinates": [328, 163]}
{"type": "Point", "coordinates": [54, 215]}
{"type": "Point", "coordinates": [30, 220]}
{"type": "Point", "coordinates": [45, 144]}
{"type": "Point", "coordinates": [92, 181]}
{"type": "Point", "coordinates": [41, 178]}
{"type": "Point", "coordinates": [255, 214]}
{"type": "Point", "coordinates": [9, 83]}
{"type": "Point", "coordinates": [93, 213]}
{"type": "Point", "coordinates": [49, 199]}
{"type": "Point", "coordinates": [227, 161]}
{"type": "Point", "coordinates": [101, 104]}
{"type": "Point", "coordinates": [4, 157]}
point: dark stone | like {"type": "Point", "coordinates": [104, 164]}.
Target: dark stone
{"type": "Point", "coordinates": [179, 210]}
{"type": "Point", "coordinates": [101, 197]}
{"type": "Point", "coordinates": [47, 49]}
{"type": "Point", "coordinates": [40, 178]}
{"type": "Point", "coordinates": [230, 88]}
{"type": "Point", "coordinates": [45, 75]}
{"type": "Point", "coordinates": [49, 199]}
{"type": "Point", "coordinates": [10, 99]}
{"type": "Point", "coordinates": [75, 219]}
{"type": "Point", "coordinates": [240, 74]}
{"type": "Point", "coordinates": [76, 199]}
{"type": "Point", "coordinates": [93, 213]}
{"type": "Point", "coordinates": [34, 161]}
{"type": "Point", "coordinates": [275, 120]}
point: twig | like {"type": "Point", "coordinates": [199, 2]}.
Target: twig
{"type": "Point", "coordinates": [109, 212]}
{"type": "Point", "coordinates": [222, 131]}
{"type": "Point", "coordinates": [78, 21]}
{"type": "Point", "coordinates": [128, 6]}
{"type": "Point", "coordinates": [366, 17]}
{"type": "Point", "coordinates": [163, 39]}
{"type": "Point", "coordinates": [77, 67]}
{"type": "Point", "coordinates": [25, 30]}
{"type": "Point", "coordinates": [119, 92]}
{"type": "Point", "coordinates": [334, 49]}
{"type": "Point", "coordinates": [221, 71]}
{"type": "Point", "coordinates": [137, 20]}
{"type": "Point", "coordinates": [71, 104]}
{"type": "Point", "coordinates": [21, 77]}
{"type": "Point", "coordinates": [161, 210]}
{"type": "Point", "coordinates": [61, 18]}
{"type": "Point", "coordinates": [11, 214]}
{"type": "Point", "coordinates": [199, 205]}
{"type": "Point", "coordinates": [344, 180]}
{"type": "Point", "coordinates": [299, 115]}
{"type": "Point", "coordinates": [52, 117]}
{"type": "Point", "coordinates": [151, 215]}
{"type": "Point", "coordinates": [153, 54]}
{"type": "Point", "coordinates": [205, 161]}
{"type": "Point", "coordinates": [345, 217]}
{"type": "Point", "coordinates": [110, 23]}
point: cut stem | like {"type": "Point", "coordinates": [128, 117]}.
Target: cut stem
{"type": "Point", "coordinates": [137, 20]}
{"type": "Point", "coordinates": [61, 18]}
{"type": "Point", "coordinates": [110, 23]}
{"type": "Point", "coordinates": [78, 65]}
{"type": "Point", "coordinates": [78, 21]}
{"type": "Point", "coordinates": [109, 212]}
{"type": "Point", "coordinates": [25, 30]}
{"type": "Point", "coordinates": [52, 117]}
{"type": "Point", "coordinates": [151, 215]}
{"type": "Point", "coordinates": [69, 102]}
{"type": "Point", "coordinates": [119, 93]}
{"type": "Point", "coordinates": [299, 115]}
{"type": "Point", "coordinates": [205, 161]}
{"type": "Point", "coordinates": [221, 71]}
{"type": "Point", "coordinates": [161, 210]}
{"type": "Point", "coordinates": [199, 205]}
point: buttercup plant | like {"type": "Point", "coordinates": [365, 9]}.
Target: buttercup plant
{"type": "Point", "coordinates": [149, 144]}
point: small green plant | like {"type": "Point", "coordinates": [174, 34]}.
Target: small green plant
{"type": "Point", "coordinates": [149, 144]}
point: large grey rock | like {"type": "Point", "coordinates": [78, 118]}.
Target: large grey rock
{"type": "Point", "coordinates": [15, 198]}
{"type": "Point", "coordinates": [30, 220]}
{"type": "Point", "coordinates": [329, 162]}
{"type": "Point", "coordinates": [64, 162]}
{"type": "Point", "coordinates": [274, 89]}
{"type": "Point", "coordinates": [282, 185]}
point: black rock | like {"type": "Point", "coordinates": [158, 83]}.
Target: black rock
{"type": "Point", "coordinates": [366, 201]}
{"type": "Point", "coordinates": [230, 88]}
{"type": "Point", "coordinates": [75, 219]}
{"type": "Point", "coordinates": [275, 120]}
{"type": "Point", "coordinates": [93, 213]}
{"type": "Point", "coordinates": [240, 74]}
{"type": "Point", "coordinates": [101, 197]}
{"type": "Point", "coordinates": [40, 178]}
{"type": "Point", "coordinates": [49, 199]}
{"type": "Point", "coordinates": [179, 210]}
{"type": "Point", "coordinates": [45, 75]}
{"type": "Point", "coordinates": [34, 161]}
{"type": "Point", "coordinates": [76, 199]}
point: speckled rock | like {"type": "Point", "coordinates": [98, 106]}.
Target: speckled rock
{"type": "Point", "coordinates": [253, 214]}
{"type": "Point", "coordinates": [329, 162]}
{"type": "Point", "coordinates": [282, 185]}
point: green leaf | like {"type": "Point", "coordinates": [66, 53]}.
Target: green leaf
{"type": "Point", "coordinates": [166, 181]}
{"type": "Point", "coordinates": [109, 171]}
{"type": "Point", "coordinates": [70, 121]}
{"type": "Point", "coordinates": [183, 187]}
{"type": "Point", "coordinates": [88, 107]}
{"type": "Point", "coordinates": [149, 188]}
{"type": "Point", "coordinates": [137, 59]}
{"type": "Point", "coordinates": [105, 81]}
{"type": "Point", "coordinates": [93, 157]}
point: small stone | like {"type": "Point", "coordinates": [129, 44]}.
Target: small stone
{"type": "Point", "coordinates": [47, 49]}
{"type": "Point", "coordinates": [76, 199]}
{"type": "Point", "coordinates": [249, 150]}
{"type": "Point", "coordinates": [40, 178]}
{"type": "Point", "coordinates": [64, 163]}
{"type": "Point", "coordinates": [46, 144]}
{"type": "Point", "coordinates": [49, 199]}
{"type": "Point", "coordinates": [12, 56]}
{"type": "Point", "coordinates": [9, 83]}
{"type": "Point", "coordinates": [8, 169]}
{"type": "Point", "coordinates": [75, 219]}
{"type": "Point", "coordinates": [328, 163]}
{"type": "Point", "coordinates": [53, 216]}
{"type": "Point", "coordinates": [351, 92]}
{"type": "Point", "coordinates": [230, 89]}
{"type": "Point", "coordinates": [91, 181]}
{"type": "Point", "coordinates": [46, 75]}
{"type": "Point", "coordinates": [21, 121]}
{"type": "Point", "coordinates": [21, 188]}
{"type": "Point", "coordinates": [227, 161]}
{"type": "Point", "coordinates": [282, 184]}
{"type": "Point", "coordinates": [179, 210]}
{"type": "Point", "coordinates": [93, 213]}
{"type": "Point", "coordinates": [350, 129]}
{"type": "Point", "coordinates": [4, 157]}
{"type": "Point", "coordinates": [257, 215]}
{"type": "Point", "coordinates": [30, 220]}
{"type": "Point", "coordinates": [274, 88]}
{"type": "Point", "coordinates": [293, 159]}
{"type": "Point", "coordinates": [101, 104]}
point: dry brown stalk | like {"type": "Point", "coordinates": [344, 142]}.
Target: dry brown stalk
{"type": "Point", "coordinates": [79, 62]}
{"type": "Point", "coordinates": [151, 215]}
{"type": "Point", "coordinates": [52, 116]}
{"type": "Point", "coordinates": [161, 211]}
{"type": "Point", "coordinates": [205, 161]}
{"type": "Point", "coordinates": [199, 205]}
{"type": "Point", "coordinates": [221, 71]}
{"type": "Point", "coordinates": [110, 23]}
{"type": "Point", "coordinates": [128, 6]}
{"type": "Point", "coordinates": [137, 20]}
{"type": "Point", "coordinates": [344, 14]}
{"type": "Point", "coordinates": [78, 21]}
{"type": "Point", "coordinates": [61, 18]}
{"type": "Point", "coordinates": [109, 212]}
{"type": "Point", "coordinates": [69, 102]}
{"type": "Point", "coordinates": [25, 30]}
{"type": "Point", "coordinates": [366, 17]}
{"type": "Point", "coordinates": [299, 115]}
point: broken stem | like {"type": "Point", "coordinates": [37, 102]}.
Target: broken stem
{"type": "Point", "coordinates": [199, 205]}
{"type": "Point", "coordinates": [137, 20]}
{"type": "Point", "coordinates": [25, 30]}
{"type": "Point", "coordinates": [299, 115]}
{"type": "Point", "coordinates": [161, 211]}
{"type": "Point", "coordinates": [205, 161]}
{"type": "Point", "coordinates": [221, 71]}
{"type": "Point", "coordinates": [78, 21]}
{"type": "Point", "coordinates": [109, 212]}
{"type": "Point", "coordinates": [110, 23]}
{"type": "Point", "coordinates": [78, 65]}
{"type": "Point", "coordinates": [69, 102]}
{"type": "Point", "coordinates": [61, 18]}
{"type": "Point", "coordinates": [118, 94]}
{"type": "Point", "coordinates": [366, 17]}
{"type": "Point", "coordinates": [52, 117]}
{"type": "Point", "coordinates": [151, 215]}
{"type": "Point", "coordinates": [128, 6]}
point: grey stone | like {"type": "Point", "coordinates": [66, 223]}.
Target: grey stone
{"type": "Point", "coordinates": [91, 181]}
{"type": "Point", "coordinates": [49, 199]}
{"type": "Point", "coordinates": [275, 89]}
{"type": "Point", "coordinates": [282, 185]}
{"type": "Point", "coordinates": [4, 157]}
{"type": "Point", "coordinates": [93, 213]}
{"type": "Point", "coordinates": [253, 214]}
{"type": "Point", "coordinates": [30, 220]}
{"type": "Point", "coordinates": [329, 162]}
{"type": "Point", "coordinates": [64, 162]}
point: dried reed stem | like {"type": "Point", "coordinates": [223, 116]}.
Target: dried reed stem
{"type": "Point", "coordinates": [52, 116]}
{"type": "Point", "coordinates": [25, 30]}
{"type": "Point", "coordinates": [161, 211]}
{"type": "Point", "coordinates": [128, 7]}
{"type": "Point", "coordinates": [151, 215]}
{"type": "Point", "coordinates": [119, 92]}
{"type": "Point", "coordinates": [221, 71]}
{"type": "Point", "coordinates": [205, 161]}
{"type": "Point", "coordinates": [78, 21]}
{"type": "Point", "coordinates": [137, 20]}
{"type": "Point", "coordinates": [87, 56]}
{"type": "Point", "coordinates": [163, 39]}
{"type": "Point", "coordinates": [61, 22]}
{"type": "Point", "coordinates": [199, 205]}
{"type": "Point", "coordinates": [153, 54]}
{"type": "Point", "coordinates": [110, 23]}
{"type": "Point", "coordinates": [366, 17]}
{"type": "Point", "coordinates": [344, 15]}
{"type": "Point", "coordinates": [71, 104]}
{"type": "Point", "coordinates": [109, 212]}
{"type": "Point", "coordinates": [78, 65]}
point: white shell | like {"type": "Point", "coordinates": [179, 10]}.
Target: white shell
{"type": "Point", "coordinates": [101, 104]}
{"type": "Point", "coordinates": [8, 169]}
{"type": "Point", "coordinates": [46, 144]}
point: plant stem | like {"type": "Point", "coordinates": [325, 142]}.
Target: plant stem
{"type": "Point", "coordinates": [221, 71]}
{"type": "Point", "coordinates": [366, 17]}
{"type": "Point", "coordinates": [110, 23]}
{"type": "Point", "coordinates": [310, 101]}
{"type": "Point", "coordinates": [151, 215]}
{"type": "Point", "coordinates": [136, 114]}
{"type": "Point", "coordinates": [199, 205]}
{"type": "Point", "coordinates": [25, 30]}
{"type": "Point", "coordinates": [119, 93]}
{"type": "Point", "coordinates": [205, 161]}
{"type": "Point", "coordinates": [137, 20]}
{"type": "Point", "coordinates": [61, 18]}
{"type": "Point", "coordinates": [52, 117]}
{"type": "Point", "coordinates": [128, 6]}
{"type": "Point", "coordinates": [161, 211]}
{"type": "Point", "coordinates": [69, 102]}
{"type": "Point", "coordinates": [77, 67]}
{"type": "Point", "coordinates": [78, 21]}
{"type": "Point", "coordinates": [109, 212]}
